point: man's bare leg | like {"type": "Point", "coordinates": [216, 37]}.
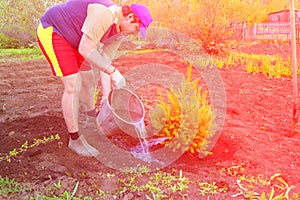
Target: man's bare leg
{"type": "Point", "coordinates": [70, 101]}
{"type": "Point", "coordinates": [87, 91]}
{"type": "Point", "coordinates": [70, 107]}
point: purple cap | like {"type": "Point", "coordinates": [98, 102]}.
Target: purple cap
{"type": "Point", "coordinates": [144, 15]}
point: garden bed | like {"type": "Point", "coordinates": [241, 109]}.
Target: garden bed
{"type": "Point", "coordinates": [253, 153]}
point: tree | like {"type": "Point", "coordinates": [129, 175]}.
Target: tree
{"type": "Point", "coordinates": [19, 19]}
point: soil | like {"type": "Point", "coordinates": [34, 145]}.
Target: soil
{"type": "Point", "coordinates": [255, 141]}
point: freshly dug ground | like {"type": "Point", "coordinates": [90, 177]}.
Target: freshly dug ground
{"type": "Point", "coordinates": [255, 140]}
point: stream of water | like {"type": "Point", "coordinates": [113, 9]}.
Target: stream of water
{"type": "Point", "coordinates": [142, 152]}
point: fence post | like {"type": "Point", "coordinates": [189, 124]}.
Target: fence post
{"type": "Point", "coordinates": [254, 31]}
{"type": "Point", "coordinates": [294, 65]}
{"type": "Point", "coordinates": [244, 30]}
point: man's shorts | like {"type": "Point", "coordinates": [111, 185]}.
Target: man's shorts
{"type": "Point", "coordinates": [62, 57]}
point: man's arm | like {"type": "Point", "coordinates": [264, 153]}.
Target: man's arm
{"type": "Point", "coordinates": [88, 49]}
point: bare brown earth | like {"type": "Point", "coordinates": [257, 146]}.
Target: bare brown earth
{"type": "Point", "coordinates": [255, 139]}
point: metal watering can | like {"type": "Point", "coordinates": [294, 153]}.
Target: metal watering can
{"type": "Point", "coordinates": [122, 111]}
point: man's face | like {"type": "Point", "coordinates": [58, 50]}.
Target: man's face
{"type": "Point", "coordinates": [129, 25]}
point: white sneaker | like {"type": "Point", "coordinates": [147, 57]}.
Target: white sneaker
{"type": "Point", "coordinates": [82, 147]}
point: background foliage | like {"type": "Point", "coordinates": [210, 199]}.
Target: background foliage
{"type": "Point", "coordinates": [19, 20]}
{"type": "Point", "coordinates": [205, 20]}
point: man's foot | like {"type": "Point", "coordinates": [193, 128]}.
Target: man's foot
{"type": "Point", "coordinates": [82, 148]}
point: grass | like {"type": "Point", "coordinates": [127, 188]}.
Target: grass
{"type": "Point", "coordinates": [23, 54]}
{"type": "Point", "coordinates": [273, 66]}
{"type": "Point", "coordinates": [9, 186]}
{"type": "Point", "coordinates": [160, 185]}
{"type": "Point", "coordinates": [25, 146]}
{"type": "Point", "coordinates": [25, 51]}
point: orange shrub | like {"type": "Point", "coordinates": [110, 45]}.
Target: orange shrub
{"type": "Point", "coordinates": [185, 119]}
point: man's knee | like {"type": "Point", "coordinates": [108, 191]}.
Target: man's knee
{"type": "Point", "coordinates": [72, 84]}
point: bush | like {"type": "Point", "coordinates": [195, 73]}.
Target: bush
{"type": "Point", "coordinates": [185, 116]}
{"type": "Point", "coordinates": [7, 42]}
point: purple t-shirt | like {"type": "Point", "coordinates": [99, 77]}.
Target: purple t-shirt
{"type": "Point", "coordinates": [67, 18]}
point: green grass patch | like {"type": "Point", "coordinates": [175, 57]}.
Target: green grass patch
{"type": "Point", "coordinates": [10, 186]}
{"type": "Point", "coordinates": [20, 54]}
{"type": "Point", "coordinates": [15, 52]}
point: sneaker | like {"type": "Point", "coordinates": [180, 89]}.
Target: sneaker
{"type": "Point", "coordinates": [82, 148]}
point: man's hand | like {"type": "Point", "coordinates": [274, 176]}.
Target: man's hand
{"type": "Point", "coordinates": [117, 79]}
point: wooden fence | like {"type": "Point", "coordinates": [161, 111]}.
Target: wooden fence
{"type": "Point", "coordinates": [267, 31]}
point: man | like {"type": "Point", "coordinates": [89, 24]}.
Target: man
{"type": "Point", "coordinates": [77, 31]}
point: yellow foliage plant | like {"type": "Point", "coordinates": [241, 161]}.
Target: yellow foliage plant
{"type": "Point", "coordinates": [184, 117]}
{"type": "Point", "coordinates": [273, 66]}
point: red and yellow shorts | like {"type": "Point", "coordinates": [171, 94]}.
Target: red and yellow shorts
{"type": "Point", "coordinates": [62, 57]}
